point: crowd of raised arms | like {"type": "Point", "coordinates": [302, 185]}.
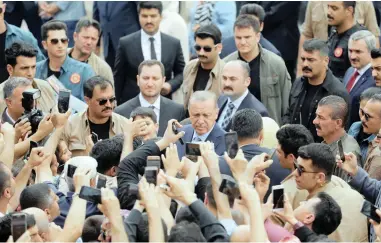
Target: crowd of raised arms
{"type": "Point", "coordinates": [198, 121]}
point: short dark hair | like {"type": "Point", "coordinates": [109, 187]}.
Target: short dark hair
{"type": "Point", "coordinates": [254, 9]}
{"type": "Point", "coordinates": [91, 83]}
{"type": "Point", "coordinates": [327, 215]}
{"type": "Point", "coordinates": [144, 112]}
{"type": "Point", "coordinates": [92, 228]}
{"type": "Point", "coordinates": [142, 232]}
{"type": "Point", "coordinates": [339, 107]}
{"type": "Point", "coordinates": [348, 4]}
{"type": "Point", "coordinates": [185, 214]}
{"type": "Point", "coordinates": [86, 22]}
{"type": "Point", "coordinates": [247, 123]}
{"type": "Point", "coordinates": [53, 25]}
{"type": "Point", "coordinates": [316, 45]}
{"type": "Point", "coordinates": [17, 49]}
{"type": "Point", "coordinates": [369, 92]}
{"type": "Point", "coordinates": [5, 178]}
{"type": "Point", "coordinates": [37, 195]}
{"type": "Point", "coordinates": [210, 195]}
{"type": "Point", "coordinates": [321, 156]}
{"type": "Point", "coordinates": [151, 4]}
{"type": "Point", "coordinates": [186, 232]}
{"type": "Point", "coordinates": [107, 153]}
{"type": "Point", "coordinates": [293, 136]}
{"type": "Point", "coordinates": [150, 63]}
{"type": "Point", "coordinates": [375, 53]}
{"type": "Point", "coordinates": [247, 21]}
{"type": "Point", "coordinates": [209, 31]}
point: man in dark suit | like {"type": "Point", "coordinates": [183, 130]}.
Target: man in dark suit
{"type": "Point", "coordinates": [150, 82]}
{"type": "Point", "coordinates": [117, 19]}
{"type": "Point", "coordinates": [249, 127]}
{"type": "Point", "coordinates": [147, 44]}
{"type": "Point", "coordinates": [259, 13]}
{"type": "Point", "coordinates": [359, 76]}
{"type": "Point", "coordinates": [203, 113]}
{"type": "Point", "coordinates": [235, 82]}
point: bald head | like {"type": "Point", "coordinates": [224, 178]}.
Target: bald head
{"type": "Point", "coordinates": [41, 218]}
{"type": "Point", "coordinates": [241, 234]}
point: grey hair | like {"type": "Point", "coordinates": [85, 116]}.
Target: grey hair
{"type": "Point", "coordinates": [86, 162]}
{"type": "Point", "coordinates": [338, 105]}
{"type": "Point", "coordinates": [244, 65]}
{"type": "Point", "coordinates": [367, 36]}
{"type": "Point", "coordinates": [202, 95]}
{"type": "Point", "coordinates": [13, 83]}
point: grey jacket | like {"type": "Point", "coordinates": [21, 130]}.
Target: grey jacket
{"type": "Point", "coordinates": [275, 82]}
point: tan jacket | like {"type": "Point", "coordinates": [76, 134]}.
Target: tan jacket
{"type": "Point", "coordinates": [190, 73]}
{"type": "Point", "coordinates": [372, 163]}
{"type": "Point", "coordinates": [275, 83]}
{"type": "Point", "coordinates": [316, 22]}
{"type": "Point", "coordinates": [46, 102]}
{"type": "Point", "coordinates": [78, 129]}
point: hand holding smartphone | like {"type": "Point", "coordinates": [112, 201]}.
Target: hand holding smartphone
{"type": "Point", "coordinates": [341, 150]}
{"type": "Point", "coordinates": [71, 170]}
{"type": "Point", "coordinates": [18, 225]}
{"type": "Point", "coordinates": [278, 197]}
{"type": "Point", "coordinates": [369, 210]}
{"type": "Point", "coordinates": [101, 183]}
{"type": "Point", "coordinates": [91, 194]}
{"type": "Point", "coordinates": [174, 128]}
{"type": "Point", "coordinates": [154, 161]}
{"type": "Point", "coordinates": [63, 101]}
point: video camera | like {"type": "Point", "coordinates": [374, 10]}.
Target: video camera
{"type": "Point", "coordinates": [33, 115]}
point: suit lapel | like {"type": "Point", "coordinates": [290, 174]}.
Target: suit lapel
{"type": "Point", "coordinates": [135, 103]}
{"type": "Point", "coordinates": [213, 136]}
{"type": "Point", "coordinates": [223, 102]}
{"type": "Point", "coordinates": [138, 48]}
{"type": "Point", "coordinates": [165, 114]}
{"type": "Point", "coordinates": [361, 81]}
{"type": "Point", "coordinates": [165, 50]}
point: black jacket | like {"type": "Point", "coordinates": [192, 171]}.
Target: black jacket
{"type": "Point", "coordinates": [331, 86]}
{"type": "Point", "coordinates": [306, 235]}
{"type": "Point", "coordinates": [275, 172]}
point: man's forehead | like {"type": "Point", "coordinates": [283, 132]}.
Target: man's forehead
{"type": "Point", "coordinates": [57, 34]}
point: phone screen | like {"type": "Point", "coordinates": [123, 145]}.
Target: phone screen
{"type": "Point", "coordinates": [369, 210]}
{"type": "Point", "coordinates": [278, 197]}
{"type": "Point", "coordinates": [18, 225]}
{"type": "Point", "coordinates": [71, 170]}
{"type": "Point", "coordinates": [101, 182]}
{"type": "Point", "coordinates": [231, 143]}
{"type": "Point", "coordinates": [150, 174]}
{"type": "Point", "coordinates": [91, 194]}
{"type": "Point", "coordinates": [341, 150]}
{"type": "Point", "coordinates": [63, 101]}
{"type": "Point", "coordinates": [192, 149]}
{"type": "Point", "coordinates": [229, 187]}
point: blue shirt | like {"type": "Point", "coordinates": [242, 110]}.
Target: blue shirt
{"type": "Point", "coordinates": [73, 75]}
{"type": "Point", "coordinates": [15, 33]}
{"type": "Point", "coordinates": [364, 144]}
{"type": "Point", "coordinates": [70, 10]}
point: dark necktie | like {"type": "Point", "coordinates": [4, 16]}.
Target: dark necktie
{"type": "Point", "coordinates": [153, 52]}
{"type": "Point", "coordinates": [228, 116]}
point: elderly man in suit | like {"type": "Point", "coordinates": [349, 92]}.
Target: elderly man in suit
{"type": "Point", "coordinates": [359, 76]}
{"type": "Point", "coordinates": [236, 96]}
{"type": "Point", "coordinates": [147, 44]}
{"type": "Point", "coordinates": [150, 82]}
{"type": "Point", "coordinates": [203, 112]}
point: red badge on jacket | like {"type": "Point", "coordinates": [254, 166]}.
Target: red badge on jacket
{"type": "Point", "coordinates": [338, 52]}
{"type": "Point", "coordinates": [75, 78]}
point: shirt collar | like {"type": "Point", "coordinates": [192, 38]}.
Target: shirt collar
{"type": "Point", "coordinates": [9, 28]}
{"type": "Point", "coordinates": [364, 69]}
{"type": "Point", "coordinates": [147, 36]}
{"type": "Point", "coordinates": [238, 101]}
{"type": "Point", "coordinates": [65, 65]}
{"type": "Point", "coordinates": [145, 103]}
{"type": "Point", "coordinates": [203, 137]}
{"type": "Point", "coordinates": [9, 117]}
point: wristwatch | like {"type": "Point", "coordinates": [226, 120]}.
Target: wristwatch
{"type": "Point", "coordinates": [298, 225]}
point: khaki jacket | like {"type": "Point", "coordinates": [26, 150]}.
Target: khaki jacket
{"type": "Point", "coordinates": [372, 163]}
{"type": "Point", "coordinates": [275, 83]}
{"type": "Point", "coordinates": [78, 129]}
{"type": "Point", "coordinates": [46, 102]}
{"type": "Point", "coordinates": [190, 73]}
{"type": "Point", "coordinates": [316, 22]}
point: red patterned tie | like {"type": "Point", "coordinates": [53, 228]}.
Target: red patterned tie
{"type": "Point", "coordinates": [351, 81]}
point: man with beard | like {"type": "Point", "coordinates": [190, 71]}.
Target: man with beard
{"type": "Point", "coordinates": [204, 72]}
{"type": "Point", "coordinates": [236, 95]}
{"type": "Point", "coordinates": [341, 16]}
{"type": "Point", "coordinates": [316, 83]}
{"type": "Point", "coordinates": [98, 121]}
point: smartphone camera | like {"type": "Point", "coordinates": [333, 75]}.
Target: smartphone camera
{"type": "Point", "coordinates": [174, 129]}
{"type": "Point", "coordinates": [278, 197]}
{"type": "Point", "coordinates": [229, 187]}
{"type": "Point", "coordinates": [192, 151]}
{"type": "Point", "coordinates": [91, 194]}
{"type": "Point", "coordinates": [71, 170]}
{"type": "Point", "coordinates": [369, 210]}
{"type": "Point", "coordinates": [150, 173]}
{"type": "Point", "coordinates": [18, 225]}
{"type": "Point", "coordinates": [101, 183]}
{"type": "Point", "coordinates": [132, 190]}
{"type": "Point", "coordinates": [154, 161]}
{"type": "Point", "coordinates": [231, 144]}
{"type": "Point", "coordinates": [63, 101]}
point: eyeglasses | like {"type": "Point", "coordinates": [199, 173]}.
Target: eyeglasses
{"type": "Point", "coordinates": [206, 48]}
{"type": "Point", "coordinates": [63, 41]}
{"type": "Point", "coordinates": [366, 115]}
{"type": "Point", "coordinates": [301, 170]}
{"type": "Point", "coordinates": [104, 101]}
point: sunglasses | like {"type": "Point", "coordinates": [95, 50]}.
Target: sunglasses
{"type": "Point", "coordinates": [63, 41]}
{"type": "Point", "coordinates": [301, 170]}
{"type": "Point", "coordinates": [366, 115]}
{"type": "Point", "coordinates": [206, 48]}
{"type": "Point", "coordinates": [104, 101]}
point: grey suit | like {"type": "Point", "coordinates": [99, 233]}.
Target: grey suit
{"type": "Point", "coordinates": [168, 110]}
{"type": "Point", "coordinates": [5, 118]}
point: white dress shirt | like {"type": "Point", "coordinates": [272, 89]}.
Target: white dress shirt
{"type": "Point", "coordinates": [156, 104]}
{"type": "Point", "coordinates": [146, 45]}
{"type": "Point", "coordinates": [361, 72]}
{"type": "Point", "coordinates": [236, 104]}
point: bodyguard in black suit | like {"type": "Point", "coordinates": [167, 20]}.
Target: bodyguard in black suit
{"type": "Point", "coordinates": [236, 96]}
{"type": "Point", "coordinates": [150, 80]}
{"type": "Point", "coordinates": [146, 44]}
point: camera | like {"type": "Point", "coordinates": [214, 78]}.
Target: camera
{"type": "Point", "coordinates": [33, 115]}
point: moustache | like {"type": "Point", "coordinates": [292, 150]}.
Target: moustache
{"type": "Point", "coordinates": [149, 24]}
{"type": "Point", "coordinates": [364, 125]}
{"type": "Point", "coordinates": [107, 108]}
{"type": "Point", "coordinates": [318, 127]}
{"type": "Point", "coordinates": [228, 88]}
{"type": "Point", "coordinates": [201, 56]}
{"type": "Point", "coordinates": [329, 16]}
{"type": "Point", "coordinates": [307, 69]}
{"type": "Point", "coordinates": [354, 60]}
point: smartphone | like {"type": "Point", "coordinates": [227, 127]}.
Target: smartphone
{"type": "Point", "coordinates": [369, 210]}
{"type": "Point", "coordinates": [18, 225]}
{"type": "Point", "coordinates": [150, 173]}
{"type": "Point", "coordinates": [192, 149]}
{"type": "Point", "coordinates": [231, 144]}
{"type": "Point", "coordinates": [153, 161]}
{"type": "Point", "coordinates": [278, 197]}
{"type": "Point", "coordinates": [101, 183]}
{"type": "Point", "coordinates": [133, 191]}
{"type": "Point", "coordinates": [71, 170]}
{"type": "Point", "coordinates": [94, 137]}
{"type": "Point", "coordinates": [32, 145]}
{"type": "Point", "coordinates": [230, 187]}
{"type": "Point", "coordinates": [341, 150]}
{"type": "Point", "coordinates": [271, 155]}
{"type": "Point", "coordinates": [63, 100]}
{"type": "Point", "coordinates": [91, 194]}
{"type": "Point", "coordinates": [174, 128]}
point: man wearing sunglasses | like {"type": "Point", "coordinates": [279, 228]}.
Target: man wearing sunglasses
{"type": "Point", "coordinates": [71, 73]}
{"type": "Point", "coordinates": [99, 119]}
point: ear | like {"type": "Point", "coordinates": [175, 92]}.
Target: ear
{"type": "Point", "coordinates": [137, 79]}
{"type": "Point", "coordinates": [261, 26]}
{"type": "Point", "coordinates": [219, 48]}
{"type": "Point", "coordinates": [321, 178]}
{"type": "Point", "coordinates": [206, 202]}
{"type": "Point", "coordinates": [8, 101]}
{"type": "Point", "coordinates": [44, 44]}
{"type": "Point", "coordinates": [261, 135]}
{"type": "Point", "coordinates": [47, 212]}
{"type": "Point", "coordinates": [339, 123]}
{"type": "Point", "coordinates": [157, 127]}
{"type": "Point", "coordinates": [247, 81]}
{"type": "Point", "coordinates": [164, 78]}
{"type": "Point", "coordinates": [113, 171]}
{"type": "Point", "coordinates": [258, 36]}
{"type": "Point", "coordinates": [7, 193]}
{"type": "Point", "coordinates": [10, 70]}
{"type": "Point", "coordinates": [75, 36]}
{"type": "Point", "coordinates": [309, 219]}
{"type": "Point", "coordinates": [87, 100]}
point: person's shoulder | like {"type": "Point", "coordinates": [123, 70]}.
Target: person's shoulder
{"type": "Point", "coordinates": [231, 57]}
{"type": "Point", "coordinates": [274, 58]}
{"type": "Point", "coordinates": [173, 104]}
{"type": "Point", "coordinates": [43, 85]}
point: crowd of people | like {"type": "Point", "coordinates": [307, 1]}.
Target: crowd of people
{"type": "Point", "coordinates": [131, 126]}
